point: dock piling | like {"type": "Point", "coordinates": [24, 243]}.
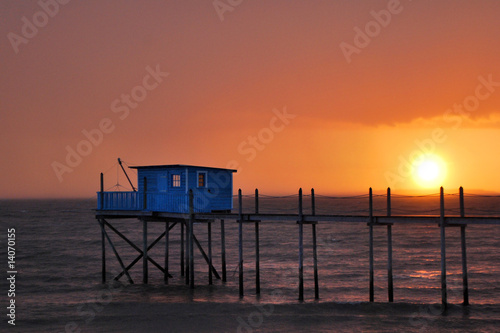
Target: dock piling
{"type": "Point", "coordinates": [464, 250]}
{"type": "Point", "coordinates": [145, 252]}
{"type": "Point", "coordinates": [223, 249]}
{"type": "Point", "coordinates": [370, 225]}
{"type": "Point", "coordinates": [301, 249]}
{"type": "Point", "coordinates": [390, 285]}
{"type": "Point", "coordinates": [315, 252]}
{"type": "Point", "coordinates": [167, 239]}
{"type": "Point", "coordinates": [240, 242]}
{"type": "Point", "coordinates": [444, 296]}
{"type": "Point", "coordinates": [257, 246]}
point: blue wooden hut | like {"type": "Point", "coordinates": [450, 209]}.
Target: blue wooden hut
{"type": "Point", "coordinates": [165, 188]}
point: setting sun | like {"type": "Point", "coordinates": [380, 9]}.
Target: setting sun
{"type": "Point", "coordinates": [429, 171]}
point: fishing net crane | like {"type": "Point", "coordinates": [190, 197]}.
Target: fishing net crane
{"type": "Point", "coordinates": [126, 175]}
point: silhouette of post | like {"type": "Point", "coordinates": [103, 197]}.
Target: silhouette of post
{"type": "Point", "coordinates": [464, 250]}
{"type": "Point", "coordinates": [370, 225]}
{"type": "Point", "coordinates": [240, 242]}
{"type": "Point", "coordinates": [301, 250]}
{"type": "Point", "coordinates": [390, 286]}
{"type": "Point", "coordinates": [257, 246]}
{"type": "Point", "coordinates": [444, 296]}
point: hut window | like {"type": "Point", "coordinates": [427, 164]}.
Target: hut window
{"type": "Point", "coordinates": [176, 180]}
{"type": "Point", "coordinates": [202, 179]}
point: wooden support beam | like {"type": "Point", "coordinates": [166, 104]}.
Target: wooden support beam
{"type": "Point", "coordinates": [390, 285]}
{"type": "Point", "coordinates": [301, 249]}
{"type": "Point", "coordinates": [145, 252]}
{"type": "Point", "coordinates": [315, 258]}
{"type": "Point", "coordinates": [444, 296]}
{"type": "Point", "coordinates": [465, 282]}
{"type": "Point", "coordinates": [370, 225]}
{"type": "Point", "coordinates": [240, 243]}
{"type": "Point", "coordinates": [182, 249]}
{"type": "Point", "coordinates": [103, 247]}
{"type": "Point", "coordinates": [257, 246]}
{"type": "Point", "coordinates": [139, 257]}
{"type": "Point", "coordinates": [137, 248]}
{"type": "Point", "coordinates": [223, 249]}
{"type": "Point", "coordinates": [167, 239]}
{"type": "Point", "coordinates": [315, 251]}
{"type": "Point", "coordinates": [186, 274]}
{"type": "Point", "coordinates": [118, 257]}
{"type": "Point", "coordinates": [209, 231]}
{"type": "Point", "coordinates": [191, 251]}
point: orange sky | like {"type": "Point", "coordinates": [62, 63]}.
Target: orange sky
{"type": "Point", "coordinates": [347, 120]}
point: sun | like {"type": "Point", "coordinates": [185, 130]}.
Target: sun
{"type": "Point", "coordinates": [429, 171]}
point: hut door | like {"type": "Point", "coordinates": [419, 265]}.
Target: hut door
{"type": "Point", "coordinates": [162, 183]}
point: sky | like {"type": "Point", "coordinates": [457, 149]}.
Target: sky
{"type": "Point", "coordinates": [336, 95]}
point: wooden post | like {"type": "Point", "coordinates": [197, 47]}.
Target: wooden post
{"type": "Point", "coordinates": [167, 239]}
{"type": "Point", "coordinates": [102, 192]}
{"type": "Point", "coordinates": [464, 250]}
{"type": "Point", "coordinates": [144, 251]}
{"type": "Point", "coordinates": [103, 246]}
{"type": "Point", "coordinates": [390, 285]}
{"type": "Point", "coordinates": [301, 249]}
{"type": "Point", "coordinates": [370, 224]}
{"type": "Point", "coordinates": [257, 249]}
{"type": "Point", "coordinates": [209, 231]}
{"type": "Point", "coordinates": [315, 252]}
{"type": "Point", "coordinates": [444, 296]}
{"type": "Point", "coordinates": [186, 274]}
{"type": "Point", "coordinates": [145, 195]}
{"type": "Point", "coordinates": [191, 231]}
{"type": "Point", "coordinates": [182, 249]}
{"type": "Point", "coordinates": [223, 249]}
{"type": "Point", "coordinates": [240, 242]}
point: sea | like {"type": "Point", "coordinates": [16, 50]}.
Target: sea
{"type": "Point", "coordinates": [54, 249]}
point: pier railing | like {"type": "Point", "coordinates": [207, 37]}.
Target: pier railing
{"type": "Point", "coordinates": [153, 201]}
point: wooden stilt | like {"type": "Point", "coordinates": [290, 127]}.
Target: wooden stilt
{"type": "Point", "coordinates": [167, 239]}
{"type": "Point", "coordinates": [370, 224]}
{"type": "Point", "coordinates": [464, 251]}
{"type": "Point", "coordinates": [315, 251]}
{"type": "Point", "coordinates": [186, 274]}
{"type": "Point", "coordinates": [444, 296]}
{"type": "Point", "coordinates": [138, 249]}
{"type": "Point", "coordinates": [103, 246]}
{"type": "Point", "coordinates": [205, 256]}
{"type": "Point", "coordinates": [315, 258]}
{"type": "Point", "coordinates": [301, 249]}
{"type": "Point", "coordinates": [240, 242]}
{"type": "Point", "coordinates": [191, 231]}
{"type": "Point", "coordinates": [145, 252]}
{"type": "Point", "coordinates": [118, 257]}
{"type": "Point", "coordinates": [257, 246]}
{"type": "Point", "coordinates": [209, 231]}
{"type": "Point", "coordinates": [390, 286]}
{"type": "Point", "coordinates": [223, 249]}
{"type": "Point", "coordinates": [182, 249]}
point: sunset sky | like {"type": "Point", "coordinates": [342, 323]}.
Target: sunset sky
{"type": "Point", "coordinates": [335, 95]}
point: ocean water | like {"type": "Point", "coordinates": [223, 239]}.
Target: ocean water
{"type": "Point", "coordinates": [58, 282]}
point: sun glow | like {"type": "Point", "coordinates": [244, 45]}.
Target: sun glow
{"type": "Point", "coordinates": [429, 171]}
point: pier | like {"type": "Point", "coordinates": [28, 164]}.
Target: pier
{"type": "Point", "coordinates": [307, 220]}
